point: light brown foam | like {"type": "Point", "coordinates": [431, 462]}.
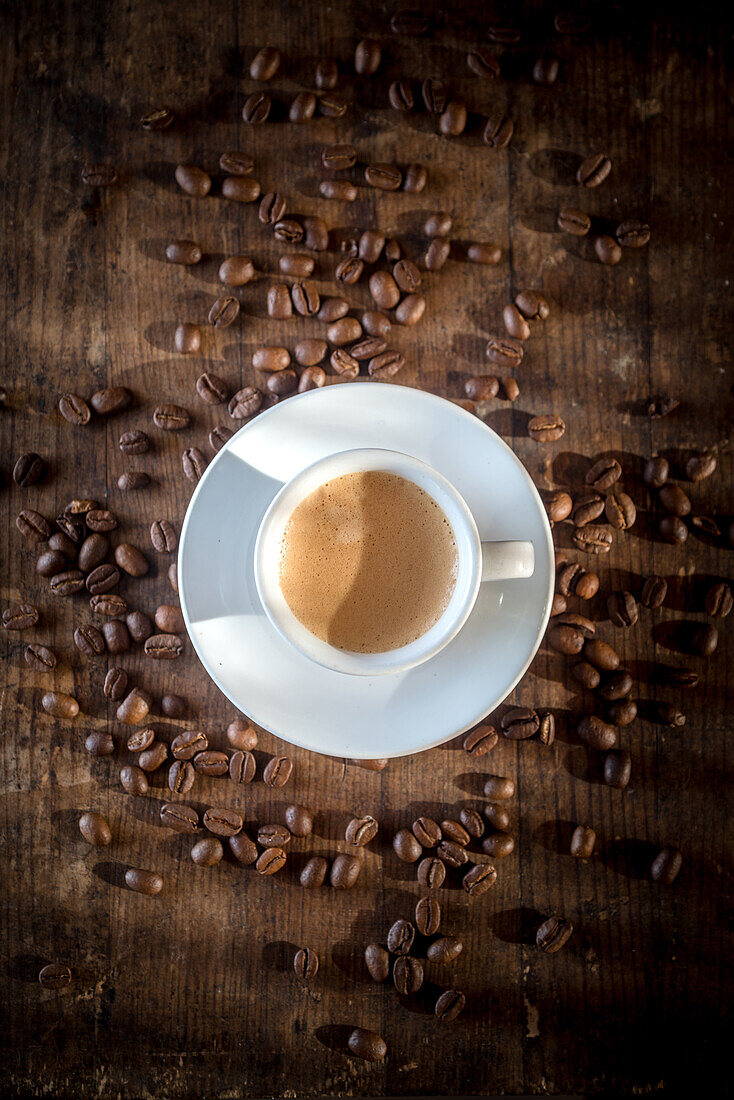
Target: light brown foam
{"type": "Point", "coordinates": [368, 562]}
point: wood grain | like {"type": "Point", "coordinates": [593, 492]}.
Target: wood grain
{"type": "Point", "coordinates": [193, 993]}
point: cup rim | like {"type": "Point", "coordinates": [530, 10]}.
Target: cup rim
{"type": "Point", "coordinates": [437, 636]}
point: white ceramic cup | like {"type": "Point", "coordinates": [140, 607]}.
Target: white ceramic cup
{"type": "Point", "coordinates": [477, 562]}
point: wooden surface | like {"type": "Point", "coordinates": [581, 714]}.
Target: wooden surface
{"type": "Point", "coordinates": [192, 993]}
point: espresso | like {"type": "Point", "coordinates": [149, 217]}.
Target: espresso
{"type": "Point", "coordinates": [368, 562]}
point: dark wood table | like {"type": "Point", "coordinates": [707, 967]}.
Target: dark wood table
{"type": "Point", "coordinates": [193, 993]}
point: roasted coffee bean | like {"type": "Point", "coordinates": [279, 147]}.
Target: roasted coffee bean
{"type": "Point", "coordinates": [617, 768]}
{"type": "Point", "coordinates": [532, 305]}
{"type": "Point", "coordinates": [603, 474]}
{"type": "Point", "coordinates": [74, 409]}
{"type": "Point", "coordinates": [481, 387]}
{"type": "Point", "coordinates": [271, 210]}
{"type": "Point", "coordinates": [371, 244]}
{"type": "Point", "coordinates": [236, 164]}
{"type": "Point", "coordinates": [622, 608]}
{"type": "Point", "coordinates": [519, 723]}
{"type": "Point", "coordinates": [622, 712]}
{"type": "Point", "coordinates": [607, 250]}
{"type": "Point", "coordinates": [194, 463]}
{"type": "Point", "coordinates": [288, 230]}
{"type": "Point", "coordinates": [245, 403]}
{"type": "Point", "coordinates": [187, 253]}
{"type": "Point", "coordinates": [277, 771]}
{"type": "Point", "coordinates": [169, 620]}
{"type": "Point", "coordinates": [186, 745]}
{"type": "Point", "coordinates": [558, 505]}
{"type": "Point", "coordinates": [72, 527]}
{"type": "Point", "coordinates": [507, 352]}
{"type": "Point", "coordinates": [482, 63]}
{"type": "Point", "coordinates": [428, 916]}
{"type": "Point", "coordinates": [303, 107]}
{"type": "Point", "coordinates": [163, 647]}
{"type": "Point", "coordinates": [574, 580]}
{"type": "Point", "coordinates": [296, 263]}
{"type": "Point", "coordinates": [545, 71]}
{"type": "Point", "coordinates": [596, 733]}
{"type": "Point", "coordinates": [674, 500]}
{"type": "Point", "coordinates": [452, 854]}
{"type": "Point", "coordinates": [415, 177]}
{"type": "Point", "coordinates": [344, 872]}
{"type": "Point", "coordinates": [449, 1005]}
{"type": "Point", "coordinates": [426, 831]}
{"type": "Point", "coordinates": [593, 538]}
{"type": "Point", "coordinates": [410, 310]}
{"type": "Point", "coordinates": [193, 180]}
{"type": "Point", "coordinates": [332, 105]}
{"type": "Point", "coordinates": [131, 443]}
{"type": "Point", "coordinates": [575, 222]}
{"type": "Point", "coordinates": [588, 506]}
{"type": "Point", "coordinates": [99, 744]}
{"type": "Point", "coordinates": [133, 480]}
{"type": "Point", "coordinates": [400, 95]}
{"type": "Point", "coordinates": [243, 849]}
{"type": "Point", "coordinates": [632, 234]}
{"type": "Point", "coordinates": [223, 312]}
{"type": "Point", "coordinates": [497, 816]}
{"type": "Point", "coordinates": [218, 436]}
{"type": "Point", "coordinates": [601, 655]}
{"type": "Point", "coordinates": [141, 739]}
{"type": "Point", "coordinates": [40, 658]}
{"type": "Point", "coordinates": [594, 170]}
{"type": "Point", "coordinates": [571, 22]}
{"type": "Point", "coordinates": [483, 254]}
{"type": "Point", "coordinates": [80, 506]}
{"type": "Point", "coordinates": [376, 323]}
{"type": "Point", "coordinates": [256, 110]}
{"type": "Point", "coordinates": [163, 536]}
{"type": "Point", "coordinates": [406, 846]}
{"type": "Point", "coordinates": [666, 866]}
{"type": "Point", "coordinates": [378, 961]}
{"type": "Point", "coordinates": [92, 552]}
{"type": "Point", "coordinates": [108, 402]}
{"type": "Point", "coordinates": [672, 529]}
{"type": "Point", "coordinates": [95, 829]}
{"type": "Point", "coordinates": [344, 331]}
{"type": "Point", "coordinates": [437, 253]}
{"type": "Point", "coordinates": [577, 622]}
{"type": "Point", "coordinates": [553, 934]}
{"type": "Point", "coordinates": [586, 675]}
{"type": "Point", "coordinates": [435, 95]}
{"type": "Point", "coordinates": [582, 842]}
{"type": "Point", "coordinates": [265, 63]}
{"type": "Point", "coordinates": [445, 950]}
{"type": "Point", "coordinates": [452, 121]}
{"type": "Point", "coordinates": [472, 822]}
{"type": "Point", "coordinates": [547, 728]}
{"type": "Point", "coordinates": [431, 873]}
{"type": "Point", "coordinates": [666, 714]}
{"type": "Point", "coordinates": [153, 757]}
{"type": "Point", "coordinates": [367, 1044]}
{"type": "Point", "coordinates": [32, 525]}
{"type": "Point", "coordinates": [349, 270]}
{"type": "Point", "coordinates": [306, 299]}
{"type": "Point", "coordinates": [361, 830]}
{"type": "Point", "coordinates": [386, 365]}
{"type": "Point", "coordinates": [498, 131]}
{"type": "Point", "coordinates": [656, 472]}
{"type": "Point", "coordinates": [101, 519]}
{"type": "Point", "coordinates": [54, 976]}
{"type": "Point", "coordinates": [21, 616]}
{"type": "Point", "coordinates": [242, 766]}
{"type": "Point", "coordinates": [700, 466]}
{"type": "Point", "coordinates": [616, 685]}
{"type": "Point", "coordinates": [338, 158]}
{"type": "Point", "coordinates": [479, 879]}
{"type": "Point", "coordinates": [28, 469]}
{"type": "Point", "coordinates": [306, 964]}
{"type": "Point", "coordinates": [241, 735]}
{"type": "Point", "coordinates": [369, 347]}
{"type": "Point", "coordinates": [313, 874]}
{"type": "Point", "coordinates": [237, 270]}
{"type": "Point", "coordinates": [174, 706]}
{"type": "Point", "coordinates": [279, 302]}
{"type": "Point", "coordinates": [273, 836]}
{"type": "Point", "coordinates": [702, 639]}
{"type": "Point", "coordinates": [134, 780]}
{"type": "Point", "coordinates": [226, 823]}
{"type": "Point", "coordinates": [559, 604]}
{"type": "Point", "coordinates": [59, 705]}
{"type": "Point", "coordinates": [181, 776]}
{"type": "Point", "coordinates": [342, 190]}
{"type": "Point", "coordinates": [719, 600]}
{"type": "Point", "coordinates": [367, 57]}
{"type": "Point", "coordinates": [99, 175]}
{"type": "Point", "coordinates": [407, 975]}
{"type": "Point", "coordinates": [140, 625]}
{"type": "Point", "coordinates": [400, 937]}
{"type": "Point", "coordinates": [182, 819]}
{"type": "Point", "coordinates": [546, 428]}
{"type": "Point", "coordinates": [479, 741]}
{"type": "Point", "coordinates": [131, 560]}
{"type": "Point", "coordinates": [171, 418]}
{"type": "Point", "coordinates": [88, 640]}
{"type": "Point", "coordinates": [69, 582]}
{"type": "Point", "coordinates": [498, 787]}
{"type": "Point", "coordinates": [300, 820]}
{"type": "Point", "coordinates": [134, 707]}
{"type": "Point", "coordinates": [344, 363]}
{"type": "Point", "coordinates": [207, 852]}
{"type": "Point", "coordinates": [566, 639]}
{"type": "Point", "coordinates": [385, 177]}
{"type": "Point", "coordinates": [455, 832]}
{"type": "Point", "coordinates": [515, 323]}
{"type": "Point", "coordinates": [620, 510]}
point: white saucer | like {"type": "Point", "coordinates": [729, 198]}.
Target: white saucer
{"type": "Point", "coordinates": [284, 692]}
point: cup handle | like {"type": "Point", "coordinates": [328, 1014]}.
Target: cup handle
{"type": "Point", "coordinates": [505, 561]}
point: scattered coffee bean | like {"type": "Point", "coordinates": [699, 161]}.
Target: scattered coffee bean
{"type": "Point", "coordinates": [236, 164]}
{"type": "Point", "coordinates": [71, 581]}
{"type": "Point", "coordinates": [672, 529]}
{"type": "Point", "coordinates": [141, 739]}
{"type": "Point", "coordinates": [181, 776]}
{"type": "Point", "coordinates": [483, 63]}
{"type": "Point", "coordinates": [632, 234]}
{"type": "Point", "coordinates": [108, 402]}
{"type": "Point", "coordinates": [400, 937]}
{"type": "Point", "coordinates": [140, 625]}
{"type": "Point", "coordinates": [332, 106]}
{"type": "Point", "coordinates": [559, 604]}
{"type": "Point", "coordinates": [218, 436]}
{"type": "Point", "coordinates": [89, 641]}
{"type": "Point", "coordinates": [622, 712]}
{"type": "Point", "coordinates": [40, 658]}
{"type": "Point", "coordinates": [483, 254]}
{"type": "Point", "coordinates": [134, 707]}
{"type": "Point", "coordinates": [187, 340]}
{"type": "Point", "coordinates": [620, 510]}
{"type": "Point", "coordinates": [415, 178]}
{"type": "Point", "coordinates": [445, 950]}
{"type": "Point", "coordinates": [558, 505]}
{"type": "Point", "coordinates": [361, 830]}
{"type": "Point", "coordinates": [617, 768]}
{"type": "Point", "coordinates": [229, 823]}
{"type": "Point", "coordinates": [481, 387]}
{"type": "Point", "coordinates": [428, 916]}
{"type": "Point", "coordinates": [666, 866]}
{"type": "Point", "coordinates": [74, 409]}
{"type": "Point", "coordinates": [410, 310]}
{"type": "Point", "coordinates": [702, 639]}
{"type": "Point", "coordinates": [179, 818]}
{"type": "Point", "coordinates": [519, 723]}
{"type": "Point", "coordinates": [306, 299]}
{"type": "Point", "coordinates": [306, 964]}
{"type": "Point", "coordinates": [588, 506]}
{"type": "Point", "coordinates": [546, 428]}
{"type": "Point", "coordinates": [426, 831]}
{"type": "Point", "coordinates": [153, 757]}
{"type": "Point", "coordinates": [241, 735]}
{"type": "Point", "coordinates": [92, 552]}
{"type": "Point", "coordinates": [367, 57]}
{"type": "Point", "coordinates": [547, 728]}
{"type": "Point", "coordinates": [545, 71]}
{"type": "Point", "coordinates": [479, 879]}
{"type": "Point", "coordinates": [607, 250]}
{"type": "Point", "coordinates": [437, 253]}
{"type": "Point", "coordinates": [481, 740]}
{"type": "Point", "coordinates": [656, 472]}
{"type": "Point", "coordinates": [431, 872]}
{"type": "Point", "coordinates": [54, 976]}
{"type": "Point", "coordinates": [452, 854]}
{"type": "Point", "coordinates": [134, 780]}
{"type": "Point", "coordinates": [32, 525]}
{"type": "Point", "coordinates": [400, 95]}
{"type": "Point", "coordinates": [99, 744]}
{"type": "Point", "coordinates": [50, 563]}
{"type": "Point", "coordinates": [472, 821]}
{"type": "Point", "coordinates": [616, 685]}
{"type": "Point", "coordinates": [601, 655]}
{"type": "Point", "coordinates": [378, 961]}
{"type": "Point", "coordinates": [243, 848]}
{"type": "Point", "coordinates": [566, 639]}
{"type": "Point", "coordinates": [385, 177]}
{"type": "Point", "coordinates": [242, 766]}
{"type": "Point", "coordinates": [594, 170]}
{"type": "Point", "coordinates": [256, 110]}
{"type": "Point", "coordinates": [186, 745]}
{"type": "Point", "coordinates": [406, 846]}
{"type": "Point", "coordinates": [407, 975]}
{"type": "Point", "coordinates": [449, 1005]}
{"type": "Point", "coordinates": [207, 852]}
{"type": "Point", "coordinates": [553, 934]}
{"type": "Point", "coordinates": [223, 312]}
{"type": "Point", "coordinates": [700, 466]}
{"type": "Point", "coordinates": [342, 190]}
{"type": "Point", "coordinates": [622, 608]}
{"type": "Point", "coordinates": [174, 706]}
{"type": "Point", "coordinates": [455, 832]}
{"type": "Point", "coordinates": [344, 872]}
{"type": "Point", "coordinates": [586, 675]}
{"type": "Point", "coordinates": [719, 600]}
{"type": "Point", "coordinates": [95, 829]}
{"type": "Point", "coordinates": [300, 820]}
{"type": "Point", "coordinates": [194, 463]}
{"type": "Point", "coordinates": [303, 107]}
{"type": "Point", "coordinates": [99, 175]}
{"type": "Point", "coordinates": [367, 1044]}
{"type": "Point", "coordinates": [596, 733]}
{"type": "Point", "coordinates": [21, 616]}
{"type": "Point", "coordinates": [277, 771]}
{"type": "Point", "coordinates": [193, 180]}
{"type": "Point", "coordinates": [28, 469]}
{"type": "Point", "coordinates": [313, 874]}
{"type": "Point", "coordinates": [515, 323]}
{"type": "Point", "coordinates": [163, 647]}
{"type": "Point", "coordinates": [498, 131]}
{"type": "Point", "coordinates": [245, 403]}
{"type": "Point", "coordinates": [452, 121]}
{"type": "Point", "coordinates": [344, 363]}
{"type": "Point", "coordinates": [187, 253]}
{"type": "Point", "coordinates": [593, 539]}
{"type": "Point", "coordinates": [654, 592]}
{"type": "Point", "coordinates": [582, 842]}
